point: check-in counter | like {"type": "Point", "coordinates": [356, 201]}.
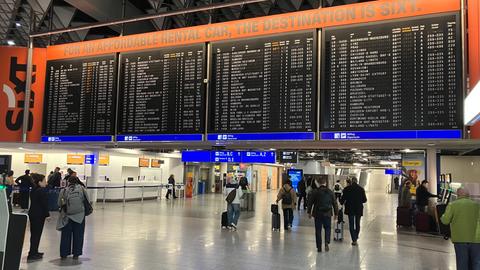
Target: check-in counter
{"type": "Point", "coordinates": [133, 191]}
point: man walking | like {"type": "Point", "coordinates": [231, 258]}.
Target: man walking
{"type": "Point", "coordinates": [354, 197]}
{"type": "Point", "coordinates": [302, 193]}
{"type": "Point", "coordinates": [463, 217]}
{"type": "Point", "coordinates": [320, 205]}
{"type": "Point", "coordinates": [55, 180]}
{"type": "Point", "coordinates": [288, 196]}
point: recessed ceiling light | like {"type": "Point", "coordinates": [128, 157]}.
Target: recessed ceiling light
{"type": "Point", "coordinates": [431, 144]}
{"type": "Point", "coordinates": [365, 154]}
{"type": "Point", "coordinates": [407, 150]}
{"type": "Point", "coordinates": [354, 149]}
{"type": "Point", "coordinates": [17, 24]}
{"type": "Point", "coordinates": [11, 42]}
{"type": "Point", "coordinates": [358, 153]}
{"type": "Point", "coordinates": [273, 149]}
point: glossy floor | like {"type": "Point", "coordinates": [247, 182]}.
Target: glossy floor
{"type": "Point", "coordinates": [185, 234]}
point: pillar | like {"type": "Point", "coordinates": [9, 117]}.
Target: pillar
{"type": "Point", "coordinates": [431, 170]}
{"type": "Point", "coordinates": [93, 181]}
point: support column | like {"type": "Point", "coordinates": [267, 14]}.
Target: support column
{"type": "Point", "coordinates": [93, 181]}
{"type": "Point", "coordinates": [431, 170]}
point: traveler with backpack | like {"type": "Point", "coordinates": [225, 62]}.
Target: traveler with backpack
{"type": "Point", "coordinates": [74, 204]}
{"type": "Point", "coordinates": [234, 192]}
{"type": "Point", "coordinates": [320, 205]}
{"type": "Point", "coordinates": [353, 198]}
{"type": "Point", "coordinates": [337, 189]}
{"type": "Point", "coordinates": [288, 196]}
{"type": "Point", "coordinates": [37, 214]}
{"type": "Point", "coordinates": [302, 193]}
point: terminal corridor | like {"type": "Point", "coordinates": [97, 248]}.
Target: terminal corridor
{"type": "Point", "coordinates": [186, 234]}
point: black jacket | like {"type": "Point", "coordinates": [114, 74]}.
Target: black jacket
{"type": "Point", "coordinates": [423, 195]}
{"type": "Point", "coordinates": [302, 188]}
{"type": "Point", "coordinates": [353, 197]}
{"type": "Point", "coordinates": [24, 182]}
{"type": "Point", "coordinates": [39, 203]}
{"type": "Point", "coordinates": [320, 196]}
{"type": "Point", "coordinates": [171, 181]}
{"type": "Point", "coordinates": [55, 180]}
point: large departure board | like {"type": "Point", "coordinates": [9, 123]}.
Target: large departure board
{"type": "Point", "coordinates": [162, 91]}
{"type": "Point", "coordinates": [399, 75]}
{"type": "Point", "coordinates": [264, 85]}
{"type": "Point", "coordinates": [80, 97]}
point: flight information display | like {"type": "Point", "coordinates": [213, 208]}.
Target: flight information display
{"type": "Point", "coordinates": [401, 75]}
{"type": "Point", "coordinates": [80, 97]}
{"type": "Point", "coordinates": [264, 85]}
{"type": "Point", "coordinates": [162, 91]}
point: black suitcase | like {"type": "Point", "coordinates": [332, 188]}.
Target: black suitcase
{"type": "Point", "coordinates": [404, 217]}
{"type": "Point", "coordinates": [274, 208]}
{"type": "Point", "coordinates": [338, 231]}
{"type": "Point", "coordinates": [442, 228]}
{"type": "Point", "coordinates": [276, 222]}
{"type": "Point", "coordinates": [224, 220]}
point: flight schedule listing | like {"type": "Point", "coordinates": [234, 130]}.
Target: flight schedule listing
{"type": "Point", "coordinates": [162, 91]}
{"type": "Point", "coordinates": [264, 85]}
{"type": "Point", "coordinates": [403, 75]}
{"type": "Point", "coordinates": [80, 97]}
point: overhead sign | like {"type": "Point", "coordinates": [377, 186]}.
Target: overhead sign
{"type": "Point", "coordinates": [412, 163]}
{"type": "Point", "coordinates": [143, 162]}
{"type": "Point", "coordinates": [393, 172]}
{"type": "Point", "coordinates": [241, 29]}
{"type": "Point", "coordinates": [75, 159]}
{"type": "Point", "coordinates": [229, 156]}
{"type": "Point", "coordinates": [156, 163]}
{"type": "Point", "coordinates": [104, 160]}
{"type": "Point", "coordinates": [288, 157]}
{"type": "Point", "coordinates": [33, 158]}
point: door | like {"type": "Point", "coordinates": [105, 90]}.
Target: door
{"type": "Point", "coordinates": [206, 184]}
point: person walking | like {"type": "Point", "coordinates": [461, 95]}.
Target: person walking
{"type": "Point", "coordinates": [423, 196]}
{"type": "Point", "coordinates": [72, 201]}
{"type": "Point", "coordinates": [337, 189]}
{"type": "Point", "coordinates": [171, 189]}
{"type": "Point", "coordinates": [353, 198]}
{"type": "Point", "coordinates": [234, 192]}
{"type": "Point", "coordinates": [302, 193]}
{"type": "Point", "coordinates": [24, 183]}
{"type": "Point", "coordinates": [320, 205]}
{"type": "Point", "coordinates": [37, 214]}
{"type": "Point", "coordinates": [288, 197]}
{"type": "Point", "coordinates": [463, 216]}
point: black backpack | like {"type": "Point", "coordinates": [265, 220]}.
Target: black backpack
{"type": "Point", "coordinates": [287, 197]}
{"type": "Point", "coordinates": [326, 201]}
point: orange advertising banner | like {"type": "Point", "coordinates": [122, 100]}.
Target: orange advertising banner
{"type": "Point", "coordinates": [143, 162]}
{"type": "Point", "coordinates": [287, 22]}
{"type": "Point", "coordinates": [156, 163]}
{"type": "Point", "coordinates": [12, 98]}
{"type": "Point", "coordinates": [104, 160]}
{"type": "Point", "coordinates": [33, 158]}
{"type": "Point", "coordinates": [75, 159]}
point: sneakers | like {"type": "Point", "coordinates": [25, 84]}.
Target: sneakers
{"type": "Point", "coordinates": [35, 257]}
{"type": "Point", "coordinates": [327, 248]}
{"type": "Point", "coordinates": [233, 227]}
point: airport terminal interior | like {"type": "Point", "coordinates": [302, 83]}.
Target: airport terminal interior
{"type": "Point", "coordinates": [242, 134]}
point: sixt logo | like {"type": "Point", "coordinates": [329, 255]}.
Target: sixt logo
{"type": "Point", "coordinates": [14, 118]}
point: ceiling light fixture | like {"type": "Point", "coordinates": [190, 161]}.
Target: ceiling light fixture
{"type": "Point", "coordinates": [17, 24]}
{"type": "Point", "coordinates": [11, 42]}
{"type": "Point", "coordinates": [357, 164]}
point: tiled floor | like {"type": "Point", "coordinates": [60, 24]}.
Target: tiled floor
{"type": "Point", "coordinates": [186, 234]}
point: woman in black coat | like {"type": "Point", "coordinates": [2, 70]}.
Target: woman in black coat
{"type": "Point", "coordinates": [38, 213]}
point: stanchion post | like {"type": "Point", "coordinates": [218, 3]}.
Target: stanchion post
{"type": "Point", "coordinates": [124, 191]}
{"type": "Point", "coordinates": [104, 196]}
{"type": "Point", "coordinates": [143, 190]}
{"type": "Point", "coordinates": [158, 192]}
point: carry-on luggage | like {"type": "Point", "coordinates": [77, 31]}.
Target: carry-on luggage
{"type": "Point", "coordinates": [275, 221]}
{"type": "Point", "coordinates": [422, 222]}
{"type": "Point", "coordinates": [274, 208]}
{"type": "Point", "coordinates": [224, 220]}
{"type": "Point", "coordinates": [338, 232]}
{"type": "Point", "coordinates": [442, 228]}
{"type": "Point", "coordinates": [404, 217]}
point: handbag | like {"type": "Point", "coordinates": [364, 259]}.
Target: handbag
{"type": "Point", "coordinates": [231, 196]}
{"type": "Point", "coordinates": [86, 204]}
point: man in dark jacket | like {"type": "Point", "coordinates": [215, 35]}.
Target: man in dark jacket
{"type": "Point", "coordinates": [302, 193]}
{"type": "Point", "coordinates": [24, 183]}
{"type": "Point", "coordinates": [171, 188]}
{"type": "Point", "coordinates": [423, 196]}
{"type": "Point", "coordinates": [56, 178]}
{"type": "Point", "coordinates": [354, 197]}
{"type": "Point", "coordinates": [320, 205]}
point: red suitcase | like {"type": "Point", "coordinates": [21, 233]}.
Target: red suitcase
{"type": "Point", "coordinates": [422, 222]}
{"type": "Point", "coordinates": [404, 217]}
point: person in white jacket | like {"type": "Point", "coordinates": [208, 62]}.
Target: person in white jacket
{"type": "Point", "coordinates": [233, 208]}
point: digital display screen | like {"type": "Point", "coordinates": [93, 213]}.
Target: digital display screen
{"type": "Point", "coordinates": [229, 156]}
{"type": "Point", "coordinates": [393, 76]}
{"type": "Point", "coordinates": [80, 97]}
{"type": "Point", "coordinates": [288, 157]}
{"type": "Point", "coordinates": [265, 84]}
{"type": "Point", "coordinates": [295, 176]}
{"type": "Point", "coordinates": [162, 91]}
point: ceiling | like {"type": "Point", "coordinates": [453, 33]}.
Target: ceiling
{"type": "Point", "coordinates": [18, 16]}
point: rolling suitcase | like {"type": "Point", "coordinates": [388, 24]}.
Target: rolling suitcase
{"type": "Point", "coordinates": [422, 222]}
{"type": "Point", "coordinates": [442, 228]}
{"type": "Point", "coordinates": [404, 217]}
{"type": "Point", "coordinates": [338, 232]}
{"type": "Point", "coordinates": [224, 220]}
{"type": "Point", "coordinates": [275, 221]}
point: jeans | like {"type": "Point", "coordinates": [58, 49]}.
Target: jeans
{"type": "Point", "coordinates": [36, 229]}
{"type": "Point", "coordinates": [354, 226]}
{"type": "Point", "coordinates": [287, 218]}
{"type": "Point", "coordinates": [325, 222]}
{"type": "Point", "coordinates": [233, 212]}
{"type": "Point", "coordinates": [468, 256]}
{"type": "Point", "coordinates": [77, 230]}
{"type": "Point", "coordinates": [304, 196]}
